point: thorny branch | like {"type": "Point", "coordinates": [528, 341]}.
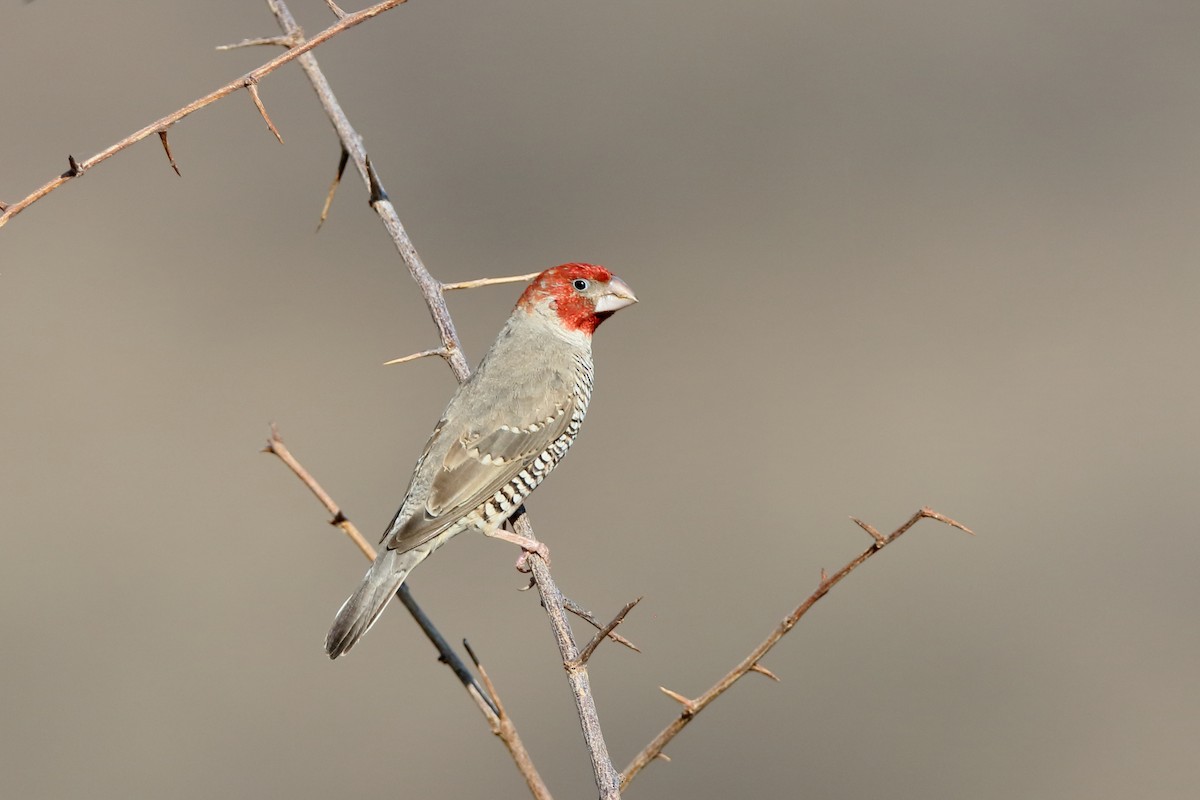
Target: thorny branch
{"type": "Point", "coordinates": [692, 707]}
{"type": "Point", "coordinates": [607, 778]}
{"type": "Point", "coordinates": [486, 697]}
{"type": "Point", "coordinates": [247, 81]}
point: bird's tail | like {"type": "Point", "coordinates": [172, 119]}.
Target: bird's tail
{"type": "Point", "coordinates": [359, 612]}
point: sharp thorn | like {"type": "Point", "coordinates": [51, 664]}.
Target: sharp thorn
{"type": "Point", "coordinates": [252, 87]}
{"type": "Point", "coordinates": [677, 697]}
{"type": "Point", "coordinates": [879, 538]}
{"type": "Point", "coordinates": [761, 670]}
{"type": "Point", "coordinates": [162, 135]}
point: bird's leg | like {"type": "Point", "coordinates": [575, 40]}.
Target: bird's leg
{"type": "Point", "coordinates": [526, 544]}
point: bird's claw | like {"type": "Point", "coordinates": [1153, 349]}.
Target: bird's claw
{"type": "Point", "coordinates": [528, 547]}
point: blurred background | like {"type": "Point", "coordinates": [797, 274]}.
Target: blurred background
{"type": "Point", "coordinates": [889, 255]}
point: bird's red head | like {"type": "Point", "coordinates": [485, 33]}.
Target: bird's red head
{"type": "Point", "coordinates": [580, 295]}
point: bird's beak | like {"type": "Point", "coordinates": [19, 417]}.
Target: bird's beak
{"type": "Point", "coordinates": [617, 297]}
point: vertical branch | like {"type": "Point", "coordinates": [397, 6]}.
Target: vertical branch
{"type": "Point", "coordinates": [608, 780]}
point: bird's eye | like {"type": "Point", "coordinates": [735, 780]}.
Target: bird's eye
{"type": "Point", "coordinates": [580, 285]}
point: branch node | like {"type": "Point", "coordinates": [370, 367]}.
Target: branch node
{"type": "Point", "coordinates": [76, 168]}
{"type": "Point", "coordinates": [337, 12]}
{"type": "Point", "coordinates": [663, 756]}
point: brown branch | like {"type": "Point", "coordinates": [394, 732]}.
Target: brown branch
{"type": "Point", "coordinates": [750, 663]}
{"type": "Point", "coordinates": [276, 447]}
{"type": "Point", "coordinates": [502, 725]}
{"type": "Point", "coordinates": [484, 696]}
{"type": "Point", "coordinates": [607, 778]}
{"type": "Point", "coordinates": [344, 23]}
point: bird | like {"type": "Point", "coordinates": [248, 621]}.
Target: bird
{"type": "Point", "coordinates": [506, 427]}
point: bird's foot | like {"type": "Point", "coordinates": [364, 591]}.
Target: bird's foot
{"type": "Point", "coordinates": [526, 544]}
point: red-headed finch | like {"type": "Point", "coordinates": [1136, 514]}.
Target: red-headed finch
{"type": "Point", "coordinates": [503, 432]}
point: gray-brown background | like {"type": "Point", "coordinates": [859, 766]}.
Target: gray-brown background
{"type": "Point", "coordinates": [889, 254]}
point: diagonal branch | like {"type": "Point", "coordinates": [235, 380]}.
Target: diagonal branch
{"type": "Point", "coordinates": [750, 663]}
{"type": "Point", "coordinates": [486, 697]}
{"type": "Point", "coordinates": [607, 778]}
{"type": "Point", "coordinates": [77, 169]}
{"type": "Point", "coordinates": [446, 654]}
{"type": "Point", "coordinates": [507, 731]}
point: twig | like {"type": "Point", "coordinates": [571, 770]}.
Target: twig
{"type": "Point", "coordinates": [344, 23]}
{"type": "Point", "coordinates": [437, 351]}
{"type": "Point", "coordinates": [607, 778]}
{"type": "Point", "coordinates": [750, 663]}
{"type": "Point", "coordinates": [590, 619]}
{"type": "Point", "coordinates": [603, 633]}
{"type": "Point", "coordinates": [475, 284]}
{"type": "Point", "coordinates": [503, 727]}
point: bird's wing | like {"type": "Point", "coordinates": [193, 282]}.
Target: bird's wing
{"type": "Point", "coordinates": [474, 468]}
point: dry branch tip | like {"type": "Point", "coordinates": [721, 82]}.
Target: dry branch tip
{"type": "Point", "coordinates": [929, 513]}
